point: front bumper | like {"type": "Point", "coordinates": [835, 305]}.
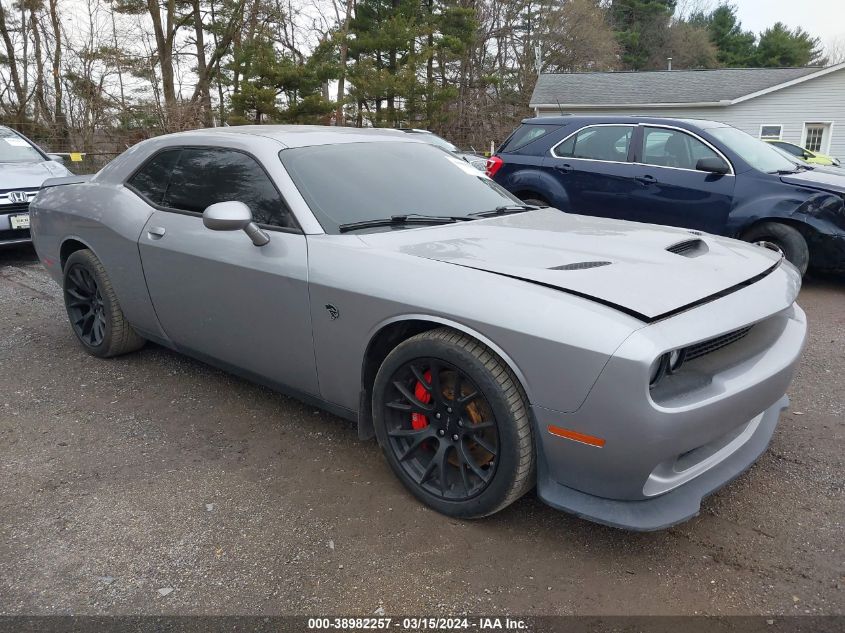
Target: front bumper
{"type": "Point", "coordinates": [695, 431]}
{"type": "Point", "coordinates": [10, 236]}
{"type": "Point", "coordinates": [678, 505]}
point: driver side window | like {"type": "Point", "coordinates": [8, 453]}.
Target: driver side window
{"type": "Point", "coordinates": [193, 178]}
{"type": "Point", "coordinates": [204, 176]}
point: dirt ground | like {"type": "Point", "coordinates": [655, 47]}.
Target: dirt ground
{"type": "Point", "coordinates": [153, 484]}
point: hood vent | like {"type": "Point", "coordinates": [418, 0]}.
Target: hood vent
{"type": "Point", "coordinates": [580, 266]}
{"type": "Point", "coordinates": [689, 248]}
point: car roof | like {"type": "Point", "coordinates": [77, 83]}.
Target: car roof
{"type": "Point", "coordinates": [577, 119]}
{"type": "Point", "coordinates": [305, 135]}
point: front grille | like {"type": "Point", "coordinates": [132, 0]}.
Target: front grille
{"type": "Point", "coordinates": [708, 347]}
{"type": "Point", "coordinates": [17, 207]}
{"type": "Point", "coordinates": [15, 234]}
{"type": "Point", "coordinates": [686, 247]}
{"type": "Point", "coordinates": [580, 266]}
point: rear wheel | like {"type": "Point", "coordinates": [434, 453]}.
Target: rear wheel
{"type": "Point", "coordinates": [537, 202]}
{"type": "Point", "coordinates": [453, 423]}
{"type": "Point", "coordinates": [93, 310]}
{"type": "Point", "coordinates": [788, 239]}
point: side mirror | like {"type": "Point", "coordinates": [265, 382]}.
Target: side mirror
{"type": "Point", "coordinates": [57, 158]}
{"type": "Point", "coordinates": [233, 216]}
{"type": "Point", "coordinates": [714, 165]}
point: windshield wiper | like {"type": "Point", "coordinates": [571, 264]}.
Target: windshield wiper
{"type": "Point", "coordinates": [401, 220]}
{"type": "Point", "coordinates": [506, 209]}
{"type": "Point", "coordinates": [785, 172]}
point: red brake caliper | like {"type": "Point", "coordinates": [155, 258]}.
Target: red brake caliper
{"type": "Point", "coordinates": [418, 420]}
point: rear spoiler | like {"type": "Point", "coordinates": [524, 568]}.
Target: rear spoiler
{"type": "Point", "coordinates": [65, 180]}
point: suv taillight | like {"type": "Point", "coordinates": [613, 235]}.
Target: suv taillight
{"type": "Point", "coordinates": [494, 164]}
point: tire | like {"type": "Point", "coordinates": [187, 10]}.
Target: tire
{"type": "Point", "coordinates": [501, 448]}
{"type": "Point", "coordinates": [788, 239]}
{"type": "Point", "coordinates": [93, 310]}
{"type": "Point", "coordinates": [537, 202]}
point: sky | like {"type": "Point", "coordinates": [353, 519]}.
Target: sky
{"type": "Point", "coordinates": [824, 19]}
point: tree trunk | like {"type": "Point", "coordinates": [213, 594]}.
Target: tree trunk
{"type": "Point", "coordinates": [203, 87]}
{"type": "Point", "coordinates": [42, 110]}
{"type": "Point", "coordinates": [344, 52]}
{"type": "Point", "coordinates": [58, 110]}
{"type": "Point", "coordinates": [164, 49]}
{"type": "Point", "coordinates": [20, 94]}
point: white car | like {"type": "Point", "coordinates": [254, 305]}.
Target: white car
{"type": "Point", "coordinates": [23, 167]}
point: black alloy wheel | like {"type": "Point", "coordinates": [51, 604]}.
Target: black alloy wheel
{"type": "Point", "coordinates": [85, 305]}
{"type": "Point", "coordinates": [454, 424]}
{"type": "Point", "coordinates": [441, 429]}
{"type": "Point", "coordinates": [93, 309]}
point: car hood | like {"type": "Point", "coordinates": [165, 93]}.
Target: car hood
{"type": "Point", "coordinates": [625, 265]}
{"type": "Point", "coordinates": [818, 179]}
{"type": "Point", "coordinates": [29, 175]}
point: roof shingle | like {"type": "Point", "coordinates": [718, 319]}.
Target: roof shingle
{"type": "Point", "coordinates": [675, 86]}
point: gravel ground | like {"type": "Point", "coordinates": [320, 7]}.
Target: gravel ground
{"type": "Point", "coordinates": [154, 484]}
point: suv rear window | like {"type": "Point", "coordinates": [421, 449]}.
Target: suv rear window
{"type": "Point", "coordinates": [525, 134]}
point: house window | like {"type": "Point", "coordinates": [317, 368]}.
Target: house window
{"type": "Point", "coordinates": [771, 131]}
{"type": "Point", "coordinates": [817, 136]}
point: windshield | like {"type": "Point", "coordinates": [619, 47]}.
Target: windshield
{"type": "Point", "coordinates": [753, 151]}
{"type": "Point", "coordinates": [14, 149]}
{"type": "Point", "coordinates": [354, 182]}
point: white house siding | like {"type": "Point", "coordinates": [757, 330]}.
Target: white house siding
{"type": "Point", "coordinates": [816, 100]}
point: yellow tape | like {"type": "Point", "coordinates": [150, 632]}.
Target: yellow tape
{"type": "Point", "coordinates": [76, 157]}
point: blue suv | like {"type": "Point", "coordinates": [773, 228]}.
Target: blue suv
{"type": "Point", "coordinates": [695, 174]}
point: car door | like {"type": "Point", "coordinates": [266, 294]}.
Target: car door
{"type": "Point", "coordinates": [671, 190]}
{"type": "Point", "coordinates": [592, 167]}
{"type": "Point", "coordinates": [217, 295]}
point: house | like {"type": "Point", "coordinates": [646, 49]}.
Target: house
{"type": "Point", "coordinates": [799, 105]}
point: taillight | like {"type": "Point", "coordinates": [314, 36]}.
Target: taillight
{"type": "Point", "coordinates": [494, 164]}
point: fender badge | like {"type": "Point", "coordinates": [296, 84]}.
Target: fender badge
{"type": "Point", "coordinates": [334, 313]}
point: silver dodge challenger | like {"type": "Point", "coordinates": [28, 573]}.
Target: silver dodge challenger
{"type": "Point", "coordinates": [623, 370]}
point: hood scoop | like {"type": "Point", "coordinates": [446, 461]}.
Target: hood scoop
{"type": "Point", "coordinates": [580, 266]}
{"type": "Point", "coordinates": [689, 248]}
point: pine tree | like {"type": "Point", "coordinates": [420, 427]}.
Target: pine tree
{"type": "Point", "coordinates": [642, 28]}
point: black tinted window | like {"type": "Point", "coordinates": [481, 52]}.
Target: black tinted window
{"type": "Point", "coordinates": [151, 180]}
{"type": "Point", "coordinates": [349, 182]}
{"type": "Point", "coordinates": [600, 142]}
{"type": "Point", "coordinates": [525, 134]}
{"type": "Point", "coordinates": [205, 176]}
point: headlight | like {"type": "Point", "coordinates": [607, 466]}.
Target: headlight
{"type": "Point", "coordinates": [658, 370]}
{"type": "Point", "coordinates": [676, 359]}
{"type": "Point", "coordinates": [667, 364]}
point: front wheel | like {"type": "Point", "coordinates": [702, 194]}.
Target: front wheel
{"type": "Point", "coordinates": [453, 422]}
{"type": "Point", "coordinates": [93, 310]}
{"type": "Point", "coordinates": [788, 239]}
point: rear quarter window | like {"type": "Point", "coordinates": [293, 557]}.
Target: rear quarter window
{"type": "Point", "coordinates": [526, 134]}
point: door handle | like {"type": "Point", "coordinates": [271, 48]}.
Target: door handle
{"type": "Point", "coordinates": [156, 232]}
{"type": "Point", "coordinates": [646, 180]}
{"type": "Point", "coordinates": [565, 168]}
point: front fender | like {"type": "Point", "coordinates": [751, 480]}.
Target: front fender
{"type": "Point", "coordinates": [455, 325]}
{"type": "Point", "coordinates": [821, 210]}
